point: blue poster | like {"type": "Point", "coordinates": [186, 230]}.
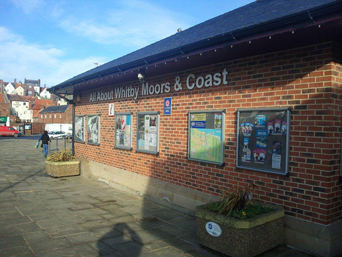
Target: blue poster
{"type": "Point", "coordinates": [167, 105]}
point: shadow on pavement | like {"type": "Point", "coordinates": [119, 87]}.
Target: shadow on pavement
{"type": "Point", "coordinates": [122, 239]}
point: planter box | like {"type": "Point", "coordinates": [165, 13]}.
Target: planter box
{"type": "Point", "coordinates": [240, 238]}
{"type": "Point", "coordinates": [63, 169]}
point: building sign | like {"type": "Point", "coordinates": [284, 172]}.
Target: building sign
{"type": "Point", "coordinates": [263, 139]}
{"type": "Point", "coordinates": [3, 119]}
{"type": "Point", "coordinates": [206, 136]}
{"type": "Point", "coordinates": [133, 92]}
{"type": "Point", "coordinates": [167, 105]}
{"type": "Point", "coordinates": [111, 109]}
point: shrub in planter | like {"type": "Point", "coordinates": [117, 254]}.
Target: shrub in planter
{"type": "Point", "coordinates": [62, 164]}
{"type": "Point", "coordinates": [239, 226]}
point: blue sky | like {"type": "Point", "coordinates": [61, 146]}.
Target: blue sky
{"type": "Point", "coordinates": [56, 40]}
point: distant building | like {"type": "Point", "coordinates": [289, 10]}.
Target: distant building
{"type": "Point", "coordinates": [45, 94]}
{"type": "Point", "coordinates": [9, 87]}
{"type": "Point", "coordinates": [32, 87]}
{"type": "Point", "coordinates": [21, 107]}
{"type": "Point", "coordinates": [55, 114]}
{"type": "Point", "coordinates": [19, 90]}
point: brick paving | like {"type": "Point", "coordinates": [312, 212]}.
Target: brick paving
{"type": "Point", "coordinates": [75, 216]}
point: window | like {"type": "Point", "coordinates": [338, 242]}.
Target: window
{"type": "Point", "coordinates": [55, 116]}
{"type": "Point", "coordinates": [50, 116]}
{"type": "Point", "coordinates": [123, 130]}
{"type": "Point", "coordinates": [206, 136]}
{"type": "Point", "coordinates": [148, 132]}
{"type": "Point", "coordinates": [41, 116]}
{"type": "Point", "coordinates": [79, 129]}
{"type": "Point", "coordinates": [60, 116]}
{"type": "Point", "coordinates": [45, 116]}
{"type": "Point", "coordinates": [93, 129]}
{"type": "Point", "coordinates": [263, 139]}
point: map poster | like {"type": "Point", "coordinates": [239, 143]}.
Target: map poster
{"type": "Point", "coordinates": [206, 137]}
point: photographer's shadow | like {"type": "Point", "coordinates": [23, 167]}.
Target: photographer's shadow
{"type": "Point", "coordinates": [121, 239]}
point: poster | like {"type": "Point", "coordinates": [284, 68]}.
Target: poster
{"type": "Point", "coordinates": [263, 140]}
{"type": "Point", "coordinates": [94, 130]}
{"type": "Point", "coordinates": [206, 137]}
{"type": "Point", "coordinates": [123, 130]}
{"type": "Point", "coordinates": [147, 137]}
{"type": "Point", "coordinates": [79, 129]}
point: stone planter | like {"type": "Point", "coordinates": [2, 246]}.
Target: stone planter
{"type": "Point", "coordinates": [240, 238]}
{"type": "Point", "coordinates": [63, 169]}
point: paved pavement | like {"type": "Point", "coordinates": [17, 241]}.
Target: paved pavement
{"type": "Point", "coordinates": [74, 216]}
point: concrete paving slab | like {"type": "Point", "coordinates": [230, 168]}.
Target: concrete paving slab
{"type": "Point", "coordinates": [22, 251]}
{"type": "Point", "coordinates": [85, 237]}
{"type": "Point", "coordinates": [65, 230]}
{"type": "Point", "coordinates": [78, 250]}
{"type": "Point", "coordinates": [132, 249]}
{"type": "Point", "coordinates": [41, 242]}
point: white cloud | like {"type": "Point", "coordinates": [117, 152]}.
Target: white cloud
{"type": "Point", "coordinates": [133, 23]}
{"type": "Point", "coordinates": [29, 6]}
{"type": "Point", "coordinates": [22, 60]}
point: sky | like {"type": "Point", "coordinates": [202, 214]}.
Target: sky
{"type": "Point", "coordinates": [56, 40]}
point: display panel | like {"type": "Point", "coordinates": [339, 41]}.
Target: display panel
{"type": "Point", "coordinates": [79, 129]}
{"type": "Point", "coordinates": [94, 129]}
{"type": "Point", "coordinates": [123, 130]}
{"type": "Point", "coordinates": [263, 140]}
{"type": "Point", "coordinates": [148, 132]}
{"type": "Point", "coordinates": [206, 136]}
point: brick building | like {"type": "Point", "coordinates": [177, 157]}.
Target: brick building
{"type": "Point", "coordinates": [55, 114]}
{"type": "Point", "coordinates": [251, 96]}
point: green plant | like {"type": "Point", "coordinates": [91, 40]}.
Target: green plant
{"type": "Point", "coordinates": [238, 204]}
{"type": "Point", "coordinates": [61, 156]}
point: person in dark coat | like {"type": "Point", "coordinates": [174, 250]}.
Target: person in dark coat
{"type": "Point", "coordinates": [45, 143]}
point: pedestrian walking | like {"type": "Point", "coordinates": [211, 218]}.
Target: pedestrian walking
{"type": "Point", "coordinates": [45, 143]}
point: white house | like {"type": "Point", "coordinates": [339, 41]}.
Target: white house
{"type": "Point", "coordinates": [19, 90]}
{"type": "Point", "coordinates": [37, 89]}
{"type": "Point", "coordinates": [21, 107]}
{"type": "Point", "coordinates": [9, 88]}
{"type": "Point", "coordinates": [45, 93]}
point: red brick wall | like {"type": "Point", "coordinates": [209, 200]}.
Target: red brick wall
{"type": "Point", "coordinates": [306, 79]}
{"type": "Point", "coordinates": [64, 117]}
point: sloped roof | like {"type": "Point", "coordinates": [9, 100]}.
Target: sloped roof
{"type": "Point", "coordinates": [254, 18]}
{"type": "Point", "coordinates": [54, 109]}
{"type": "Point", "coordinates": [36, 106]}
{"type": "Point", "coordinates": [44, 102]}
{"type": "Point", "coordinates": [17, 98]}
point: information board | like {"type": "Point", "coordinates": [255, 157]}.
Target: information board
{"type": "Point", "coordinates": [79, 129]}
{"type": "Point", "coordinates": [206, 136]}
{"type": "Point", "coordinates": [123, 131]}
{"type": "Point", "coordinates": [94, 129]}
{"type": "Point", "coordinates": [263, 139]}
{"type": "Point", "coordinates": [148, 132]}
